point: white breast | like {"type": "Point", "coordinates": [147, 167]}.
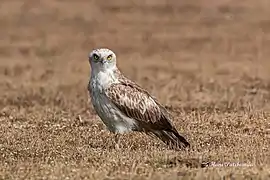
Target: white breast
{"type": "Point", "coordinates": [114, 119]}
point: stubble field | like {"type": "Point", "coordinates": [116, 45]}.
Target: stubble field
{"type": "Point", "coordinates": [206, 60]}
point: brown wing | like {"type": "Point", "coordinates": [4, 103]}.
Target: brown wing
{"type": "Point", "coordinates": [135, 104]}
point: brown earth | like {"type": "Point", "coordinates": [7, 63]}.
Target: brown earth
{"type": "Point", "coordinates": [206, 60]}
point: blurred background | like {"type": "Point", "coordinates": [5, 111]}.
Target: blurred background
{"type": "Point", "coordinates": [46, 43]}
{"type": "Point", "coordinates": [206, 60]}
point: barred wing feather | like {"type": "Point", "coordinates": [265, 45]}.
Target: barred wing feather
{"type": "Point", "coordinates": [138, 104]}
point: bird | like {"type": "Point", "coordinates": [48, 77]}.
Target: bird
{"type": "Point", "coordinates": [124, 106]}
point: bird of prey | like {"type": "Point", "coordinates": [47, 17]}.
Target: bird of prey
{"type": "Point", "coordinates": [124, 106]}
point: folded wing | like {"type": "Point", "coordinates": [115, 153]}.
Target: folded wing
{"type": "Point", "coordinates": [138, 104]}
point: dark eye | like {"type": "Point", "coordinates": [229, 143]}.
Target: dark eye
{"type": "Point", "coordinates": [96, 57]}
{"type": "Point", "coordinates": [109, 57]}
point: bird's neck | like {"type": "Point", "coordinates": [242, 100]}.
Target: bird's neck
{"type": "Point", "coordinates": [104, 78]}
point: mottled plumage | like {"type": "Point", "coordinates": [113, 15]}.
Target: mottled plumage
{"type": "Point", "coordinates": [123, 105]}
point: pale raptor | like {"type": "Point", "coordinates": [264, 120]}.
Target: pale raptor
{"type": "Point", "coordinates": [124, 106]}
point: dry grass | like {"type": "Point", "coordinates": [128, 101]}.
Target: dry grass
{"type": "Point", "coordinates": [206, 60]}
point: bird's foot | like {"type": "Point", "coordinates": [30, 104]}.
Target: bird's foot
{"type": "Point", "coordinates": [117, 141]}
{"type": "Point", "coordinates": [117, 147]}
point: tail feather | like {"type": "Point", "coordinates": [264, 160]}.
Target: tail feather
{"type": "Point", "coordinates": [172, 138]}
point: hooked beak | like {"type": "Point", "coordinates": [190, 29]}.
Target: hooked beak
{"type": "Point", "coordinates": [103, 61]}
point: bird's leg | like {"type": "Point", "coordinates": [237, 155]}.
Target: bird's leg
{"type": "Point", "coordinates": [117, 140]}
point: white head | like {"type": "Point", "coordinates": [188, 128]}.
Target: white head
{"type": "Point", "coordinates": [102, 59]}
